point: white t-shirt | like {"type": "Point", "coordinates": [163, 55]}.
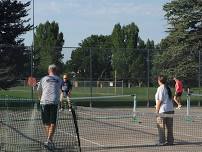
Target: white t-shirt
{"type": "Point", "coordinates": [50, 87]}
{"type": "Point", "coordinates": [162, 96]}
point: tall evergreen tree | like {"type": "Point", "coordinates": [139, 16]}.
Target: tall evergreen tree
{"type": "Point", "coordinates": [14, 57]}
{"type": "Point", "coordinates": [184, 39]}
{"type": "Point", "coordinates": [48, 47]}
{"type": "Point", "coordinates": [127, 60]}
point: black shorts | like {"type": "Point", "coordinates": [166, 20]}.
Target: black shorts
{"type": "Point", "coordinates": [178, 94]}
{"type": "Point", "coordinates": [49, 114]}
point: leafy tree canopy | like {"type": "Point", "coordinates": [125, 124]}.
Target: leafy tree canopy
{"type": "Point", "coordinates": [184, 40]}
{"type": "Point", "coordinates": [48, 44]}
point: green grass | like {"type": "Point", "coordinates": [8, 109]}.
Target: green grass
{"type": "Point", "coordinates": [143, 95]}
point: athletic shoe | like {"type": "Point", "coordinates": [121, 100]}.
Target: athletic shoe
{"type": "Point", "coordinates": [49, 144]}
{"type": "Point", "coordinates": [179, 107]}
{"type": "Point", "coordinates": [61, 109]}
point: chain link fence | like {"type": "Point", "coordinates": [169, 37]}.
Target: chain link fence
{"type": "Point", "coordinates": [102, 71]}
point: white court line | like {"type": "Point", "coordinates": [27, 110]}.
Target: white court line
{"type": "Point", "coordinates": [153, 128]}
{"type": "Point", "coordinates": [81, 138]}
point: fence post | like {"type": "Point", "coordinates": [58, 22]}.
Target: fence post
{"type": "Point", "coordinates": [122, 87]}
{"type": "Point", "coordinates": [148, 69]}
{"type": "Point", "coordinates": [91, 90]}
{"type": "Point", "coordinates": [188, 103]}
{"type": "Point", "coordinates": [199, 74]}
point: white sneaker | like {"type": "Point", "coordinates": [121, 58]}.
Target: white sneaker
{"type": "Point", "coordinates": [179, 107]}
{"type": "Point", "coordinates": [61, 109]}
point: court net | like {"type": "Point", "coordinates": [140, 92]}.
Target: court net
{"type": "Point", "coordinates": [21, 128]}
{"type": "Point", "coordinates": [100, 129]}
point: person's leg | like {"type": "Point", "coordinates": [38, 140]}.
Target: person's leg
{"type": "Point", "coordinates": [169, 126]}
{"type": "Point", "coordinates": [51, 131]}
{"type": "Point", "coordinates": [179, 100]}
{"type": "Point", "coordinates": [161, 129]}
{"type": "Point", "coordinates": [45, 113]}
{"type": "Point", "coordinates": [69, 103]}
{"type": "Point", "coordinates": [45, 118]}
{"type": "Point", "coordinates": [53, 118]}
{"type": "Point", "coordinates": [46, 128]}
{"type": "Point", "coordinates": [176, 100]}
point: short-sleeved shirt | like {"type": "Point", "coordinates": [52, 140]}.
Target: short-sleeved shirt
{"type": "Point", "coordinates": [178, 86]}
{"type": "Point", "coordinates": [50, 88]}
{"type": "Point", "coordinates": [166, 102]}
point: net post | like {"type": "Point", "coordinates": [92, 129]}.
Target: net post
{"type": "Point", "coordinates": [188, 104]}
{"type": "Point", "coordinates": [134, 104]}
{"type": "Point", "coordinates": [135, 119]}
{"type": "Point", "coordinates": [188, 117]}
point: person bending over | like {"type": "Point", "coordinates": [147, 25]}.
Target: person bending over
{"type": "Point", "coordinates": [66, 88]}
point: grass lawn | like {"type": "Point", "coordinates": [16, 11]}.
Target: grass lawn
{"type": "Point", "coordinates": [143, 95]}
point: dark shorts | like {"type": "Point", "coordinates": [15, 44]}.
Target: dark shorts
{"type": "Point", "coordinates": [178, 94]}
{"type": "Point", "coordinates": [49, 114]}
{"type": "Point", "coordinates": [65, 93]}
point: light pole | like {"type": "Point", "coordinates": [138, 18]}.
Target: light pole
{"type": "Point", "coordinates": [32, 49]}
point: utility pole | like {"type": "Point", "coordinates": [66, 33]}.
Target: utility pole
{"type": "Point", "coordinates": [32, 49]}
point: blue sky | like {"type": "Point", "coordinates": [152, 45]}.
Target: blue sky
{"type": "Point", "coordinates": [78, 19]}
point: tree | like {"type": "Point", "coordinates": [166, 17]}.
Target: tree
{"type": "Point", "coordinates": [14, 57]}
{"type": "Point", "coordinates": [48, 47]}
{"type": "Point", "coordinates": [184, 40]}
{"type": "Point", "coordinates": [95, 49]}
{"type": "Point", "coordinates": [127, 59]}
{"type": "Point", "coordinates": [184, 18]}
{"type": "Point", "coordinates": [122, 51]}
{"type": "Point", "coordinates": [141, 43]}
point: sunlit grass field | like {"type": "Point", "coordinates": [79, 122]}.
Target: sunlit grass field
{"type": "Point", "coordinates": [143, 94]}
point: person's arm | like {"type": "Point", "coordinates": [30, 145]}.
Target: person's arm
{"type": "Point", "coordinates": [39, 91]}
{"type": "Point", "coordinates": [158, 98]}
{"type": "Point", "coordinates": [61, 84]}
{"type": "Point", "coordinates": [39, 95]}
{"type": "Point", "coordinates": [158, 105]}
{"type": "Point", "coordinates": [70, 88]}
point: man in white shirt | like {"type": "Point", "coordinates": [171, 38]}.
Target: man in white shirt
{"type": "Point", "coordinates": [49, 95]}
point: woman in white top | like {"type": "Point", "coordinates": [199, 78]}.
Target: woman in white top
{"type": "Point", "coordinates": [164, 105]}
